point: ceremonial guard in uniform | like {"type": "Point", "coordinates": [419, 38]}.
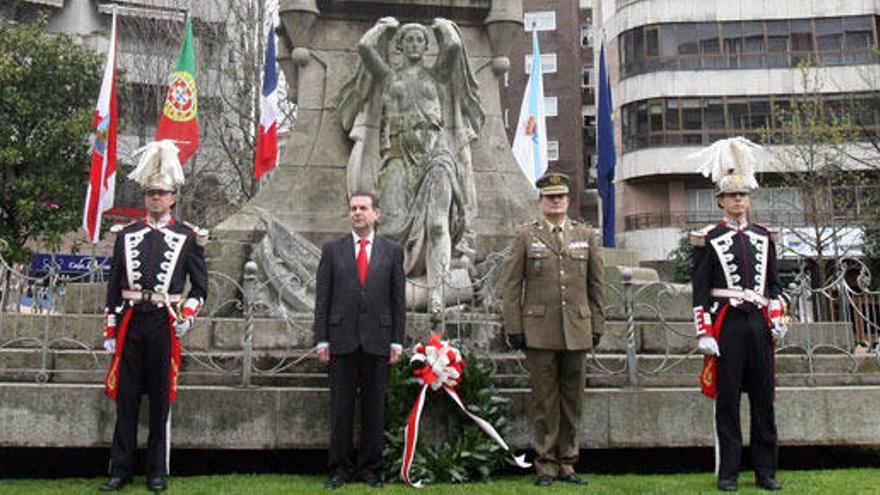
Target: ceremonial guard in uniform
{"type": "Point", "coordinates": [738, 309]}
{"type": "Point", "coordinates": [147, 313]}
{"type": "Point", "coordinates": [554, 310]}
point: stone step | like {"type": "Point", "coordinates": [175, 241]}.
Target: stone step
{"type": "Point", "coordinates": [300, 369]}
{"type": "Point", "coordinates": [84, 298]}
{"type": "Point", "coordinates": [212, 417]}
{"type": "Point", "coordinates": [479, 331]}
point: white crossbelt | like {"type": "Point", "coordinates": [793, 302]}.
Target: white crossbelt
{"type": "Point", "coordinates": [146, 295]}
{"type": "Point", "coordinates": [746, 295]}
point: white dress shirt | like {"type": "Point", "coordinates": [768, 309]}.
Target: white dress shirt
{"type": "Point", "coordinates": [357, 245]}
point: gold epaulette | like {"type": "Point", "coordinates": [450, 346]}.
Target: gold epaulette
{"type": "Point", "coordinates": [119, 227]}
{"type": "Point", "coordinates": [201, 234]}
{"type": "Point", "coordinates": [772, 233]}
{"type": "Point", "coordinates": [698, 237]}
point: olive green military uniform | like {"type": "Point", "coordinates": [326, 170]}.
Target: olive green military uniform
{"type": "Point", "coordinates": [554, 294]}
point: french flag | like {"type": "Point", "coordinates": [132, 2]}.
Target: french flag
{"type": "Point", "coordinates": [102, 176]}
{"type": "Point", "coordinates": [267, 139]}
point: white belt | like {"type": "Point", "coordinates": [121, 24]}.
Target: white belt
{"type": "Point", "coordinates": [147, 295]}
{"type": "Point", "coordinates": [745, 295]}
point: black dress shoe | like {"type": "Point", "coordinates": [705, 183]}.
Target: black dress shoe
{"type": "Point", "coordinates": [544, 481]}
{"type": "Point", "coordinates": [727, 485]}
{"type": "Point", "coordinates": [335, 481]}
{"type": "Point", "coordinates": [573, 479]}
{"type": "Point", "coordinates": [372, 480]}
{"type": "Point", "coordinates": [768, 483]}
{"type": "Point", "coordinates": [114, 483]}
{"type": "Point", "coordinates": [157, 484]}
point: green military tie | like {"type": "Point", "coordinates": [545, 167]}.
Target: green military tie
{"type": "Point", "coordinates": [560, 237]}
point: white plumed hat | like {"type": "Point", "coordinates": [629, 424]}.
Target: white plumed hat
{"type": "Point", "coordinates": [730, 163]}
{"type": "Point", "coordinates": [158, 167]}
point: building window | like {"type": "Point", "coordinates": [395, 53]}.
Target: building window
{"type": "Point", "coordinates": [586, 36]}
{"type": "Point", "coordinates": [588, 121]}
{"type": "Point", "coordinates": [858, 40]}
{"type": "Point", "coordinates": [850, 203]}
{"type": "Point", "coordinates": [542, 21]}
{"type": "Point", "coordinates": [827, 41]}
{"type": "Point", "coordinates": [761, 118]}
{"type": "Point", "coordinates": [548, 63]}
{"type": "Point", "coordinates": [550, 106]}
{"type": "Point", "coordinates": [140, 105]}
{"type": "Point", "coordinates": [588, 115]}
{"type": "Point", "coordinates": [507, 118]}
{"type": "Point", "coordinates": [506, 78]}
{"type": "Point", "coordinates": [588, 77]}
{"type": "Point", "coordinates": [773, 206]}
{"type": "Point", "coordinates": [552, 151]}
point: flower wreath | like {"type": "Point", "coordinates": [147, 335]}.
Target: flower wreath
{"type": "Point", "coordinates": [476, 449]}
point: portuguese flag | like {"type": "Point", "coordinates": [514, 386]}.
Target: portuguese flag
{"type": "Point", "coordinates": [179, 120]}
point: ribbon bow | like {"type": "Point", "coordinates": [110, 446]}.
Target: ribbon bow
{"type": "Point", "coordinates": [440, 366]}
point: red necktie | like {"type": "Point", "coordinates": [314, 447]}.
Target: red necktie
{"type": "Point", "coordinates": [362, 262]}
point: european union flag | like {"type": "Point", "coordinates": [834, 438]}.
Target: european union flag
{"type": "Point", "coordinates": [607, 153]}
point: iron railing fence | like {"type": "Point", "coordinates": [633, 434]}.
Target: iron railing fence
{"type": "Point", "coordinates": [50, 327]}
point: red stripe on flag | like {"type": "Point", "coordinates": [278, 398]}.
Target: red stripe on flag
{"type": "Point", "coordinates": [267, 150]}
{"type": "Point", "coordinates": [102, 175]}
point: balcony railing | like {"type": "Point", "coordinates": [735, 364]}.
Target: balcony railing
{"type": "Point", "coordinates": [693, 218]}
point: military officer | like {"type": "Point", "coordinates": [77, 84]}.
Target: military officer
{"type": "Point", "coordinates": [738, 312]}
{"type": "Point", "coordinates": [553, 309]}
{"type": "Point", "coordinates": [148, 312]}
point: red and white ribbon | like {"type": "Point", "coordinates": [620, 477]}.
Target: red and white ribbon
{"type": "Point", "coordinates": [442, 368]}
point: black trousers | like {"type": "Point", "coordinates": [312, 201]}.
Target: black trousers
{"type": "Point", "coordinates": [144, 368]}
{"type": "Point", "coordinates": [746, 364]}
{"type": "Point", "coordinates": [348, 374]}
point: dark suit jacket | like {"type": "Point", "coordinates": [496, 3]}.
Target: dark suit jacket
{"type": "Point", "coordinates": [349, 316]}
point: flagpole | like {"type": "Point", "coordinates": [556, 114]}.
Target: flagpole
{"type": "Point", "coordinates": [601, 201]}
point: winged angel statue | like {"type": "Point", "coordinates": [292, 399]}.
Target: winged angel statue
{"type": "Point", "coordinates": [412, 126]}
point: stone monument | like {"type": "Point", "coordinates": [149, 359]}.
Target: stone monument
{"type": "Point", "coordinates": [399, 98]}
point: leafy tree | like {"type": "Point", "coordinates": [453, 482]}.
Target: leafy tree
{"type": "Point", "coordinates": [865, 151]}
{"type": "Point", "coordinates": [871, 249]}
{"type": "Point", "coordinates": [48, 88]}
{"type": "Point", "coordinates": [815, 134]}
{"type": "Point", "coordinates": [230, 51]}
{"type": "Point", "coordinates": [681, 259]}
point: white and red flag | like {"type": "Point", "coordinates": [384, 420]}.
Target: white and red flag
{"type": "Point", "coordinates": [102, 178]}
{"type": "Point", "coordinates": [267, 138]}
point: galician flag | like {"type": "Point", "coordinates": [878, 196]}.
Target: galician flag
{"type": "Point", "coordinates": [179, 120]}
{"type": "Point", "coordinates": [607, 153]}
{"type": "Point", "coordinates": [267, 138]}
{"type": "Point", "coordinates": [530, 141]}
{"type": "Point", "coordinates": [102, 177]}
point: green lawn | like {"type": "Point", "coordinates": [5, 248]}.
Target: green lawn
{"type": "Point", "coordinates": [841, 481]}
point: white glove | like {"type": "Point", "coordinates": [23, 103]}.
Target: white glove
{"type": "Point", "coordinates": [110, 345]}
{"type": "Point", "coordinates": [779, 330]}
{"type": "Point", "coordinates": [181, 327]}
{"type": "Point", "coordinates": [708, 345]}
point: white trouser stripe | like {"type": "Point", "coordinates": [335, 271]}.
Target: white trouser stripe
{"type": "Point", "coordinates": [717, 443]}
{"type": "Point", "coordinates": [168, 443]}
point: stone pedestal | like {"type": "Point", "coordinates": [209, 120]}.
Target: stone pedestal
{"type": "Point", "coordinates": [308, 192]}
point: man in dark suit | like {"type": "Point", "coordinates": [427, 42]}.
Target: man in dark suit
{"type": "Point", "coordinates": [360, 315]}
